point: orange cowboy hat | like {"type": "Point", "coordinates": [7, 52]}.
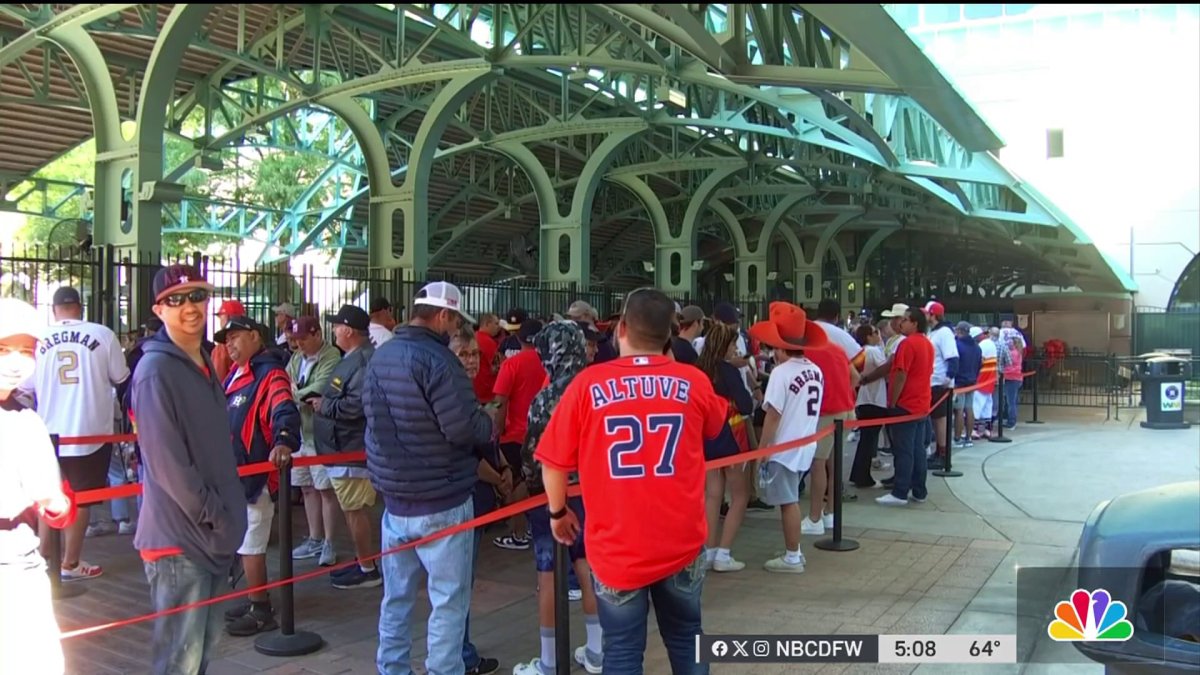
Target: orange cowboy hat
{"type": "Point", "coordinates": [789, 328]}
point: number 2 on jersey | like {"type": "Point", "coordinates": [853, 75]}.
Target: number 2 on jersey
{"type": "Point", "coordinates": [638, 429]}
{"type": "Point", "coordinates": [68, 364]}
{"type": "Point", "coordinates": [814, 396]}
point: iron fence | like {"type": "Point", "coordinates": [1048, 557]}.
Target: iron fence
{"type": "Point", "coordinates": [111, 281]}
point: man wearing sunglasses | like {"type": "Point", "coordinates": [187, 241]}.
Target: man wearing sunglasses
{"type": "Point", "coordinates": [194, 515]}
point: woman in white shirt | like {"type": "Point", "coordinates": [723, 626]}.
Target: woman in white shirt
{"type": "Point", "coordinates": [871, 404]}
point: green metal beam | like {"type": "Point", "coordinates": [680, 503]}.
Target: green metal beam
{"type": "Point", "coordinates": [75, 16]}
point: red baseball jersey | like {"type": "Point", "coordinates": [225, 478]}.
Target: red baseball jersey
{"type": "Point", "coordinates": [634, 428]}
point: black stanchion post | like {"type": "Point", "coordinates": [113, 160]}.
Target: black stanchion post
{"type": "Point", "coordinates": [1000, 413]}
{"type": "Point", "coordinates": [947, 471]}
{"type": "Point", "coordinates": [562, 609]}
{"type": "Point", "coordinates": [54, 555]}
{"type": "Point", "coordinates": [287, 642]}
{"type": "Point", "coordinates": [1035, 419]}
{"type": "Point", "coordinates": [837, 543]}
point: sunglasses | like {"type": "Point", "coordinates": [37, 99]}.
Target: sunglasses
{"type": "Point", "coordinates": [195, 297]}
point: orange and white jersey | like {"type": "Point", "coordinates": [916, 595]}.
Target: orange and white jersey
{"type": "Point", "coordinates": [987, 373]}
{"type": "Point", "coordinates": [78, 365]}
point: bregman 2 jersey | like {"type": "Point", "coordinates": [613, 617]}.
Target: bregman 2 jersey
{"type": "Point", "coordinates": [796, 390]}
{"type": "Point", "coordinates": [78, 364]}
{"type": "Point", "coordinates": [634, 428]}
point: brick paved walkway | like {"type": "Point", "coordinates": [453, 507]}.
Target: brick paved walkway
{"type": "Point", "coordinates": [896, 582]}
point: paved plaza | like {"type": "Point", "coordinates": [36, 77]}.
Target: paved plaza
{"type": "Point", "coordinates": [946, 566]}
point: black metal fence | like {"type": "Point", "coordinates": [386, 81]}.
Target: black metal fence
{"type": "Point", "coordinates": [110, 280]}
{"type": "Point", "coordinates": [1162, 330]}
{"type": "Point", "coordinates": [1104, 381]}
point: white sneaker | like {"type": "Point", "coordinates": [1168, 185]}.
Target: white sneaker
{"type": "Point", "coordinates": [890, 500]}
{"type": "Point", "coordinates": [827, 520]}
{"type": "Point", "coordinates": [534, 667]}
{"type": "Point", "coordinates": [126, 527]}
{"type": "Point", "coordinates": [328, 554]}
{"type": "Point", "coordinates": [782, 566]}
{"type": "Point", "coordinates": [100, 529]}
{"type": "Point", "coordinates": [309, 548]}
{"type": "Point", "coordinates": [813, 527]}
{"type": "Point", "coordinates": [575, 594]}
{"type": "Point", "coordinates": [728, 565]}
{"type": "Point", "coordinates": [593, 667]}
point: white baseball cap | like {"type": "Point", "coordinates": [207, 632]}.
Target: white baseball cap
{"type": "Point", "coordinates": [897, 309]}
{"type": "Point", "coordinates": [19, 318]}
{"type": "Point", "coordinates": [442, 294]}
{"type": "Point", "coordinates": [976, 331]}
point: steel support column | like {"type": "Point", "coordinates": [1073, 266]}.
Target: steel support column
{"type": "Point", "coordinates": [411, 198]}
{"type": "Point", "coordinates": [673, 255]}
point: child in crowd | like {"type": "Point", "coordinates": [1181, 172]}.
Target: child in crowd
{"type": "Point", "coordinates": [30, 488]}
{"type": "Point", "coordinates": [793, 404]}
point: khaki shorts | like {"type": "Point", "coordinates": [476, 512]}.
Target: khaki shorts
{"type": "Point", "coordinates": [259, 517]}
{"type": "Point", "coordinates": [825, 445]}
{"type": "Point", "coordinates": [310, 476]}
{"type": "Point", "coordinates": [354, 493]}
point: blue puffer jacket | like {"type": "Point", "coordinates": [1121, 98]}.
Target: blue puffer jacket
{"type": "Point", "coordinates": [423, 424]}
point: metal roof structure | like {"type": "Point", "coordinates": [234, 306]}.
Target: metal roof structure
{"type": "Point", "coordinates": [590, 143]}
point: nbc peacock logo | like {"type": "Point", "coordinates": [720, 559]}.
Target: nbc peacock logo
{"type": "Point", "coordinates": [1090, 616]}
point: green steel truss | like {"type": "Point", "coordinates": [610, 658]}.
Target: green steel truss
{"type": "Point", "coordinates": [617, 141]}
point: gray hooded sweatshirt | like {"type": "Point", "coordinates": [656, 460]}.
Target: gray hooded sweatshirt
{"type": "Point", "coordinates": [193, 498]}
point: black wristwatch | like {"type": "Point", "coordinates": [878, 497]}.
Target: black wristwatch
{"type": "Point", "coordinates": [555, 515]}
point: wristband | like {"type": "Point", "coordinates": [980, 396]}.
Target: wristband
{"type": "Point", "coordinates": [556, 515]}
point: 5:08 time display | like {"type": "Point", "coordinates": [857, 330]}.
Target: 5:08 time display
{"type": "Point", "coordinates": [915, 648]}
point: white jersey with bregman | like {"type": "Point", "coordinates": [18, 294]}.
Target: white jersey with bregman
{"type": "Point", "coordinates": [78, 364]}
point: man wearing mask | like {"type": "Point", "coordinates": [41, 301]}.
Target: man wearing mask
{"type": "Point", "coordinates": [423, 427]}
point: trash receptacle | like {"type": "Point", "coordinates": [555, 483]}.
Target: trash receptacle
{"type": "Point", "coordinates": [1140, 548]}
{"type": "Point", "coordinates": [1163, 392]}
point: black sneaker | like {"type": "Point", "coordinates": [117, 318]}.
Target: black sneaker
{"type": "Point", "coordinates": [512, 543]}
{"type": "Point", "coordinates": [936, 464]}
{"type": "Point", "coordinates": [237, 611]}
{"type": "Point", "coordinates": [485, 667]}
{"type": "Point", "coordinates": [359, 579]}
{"type": "Point", "coordinates": [759, 505]}
{"type": "Point", "coordinates": [257, 620]}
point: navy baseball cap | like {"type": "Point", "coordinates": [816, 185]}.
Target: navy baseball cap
{"type": "Point", "coordinates": [237, 323]}
{"type": "Point", "coordinates": [66, 296]}
{"type": "Point", "coordinates": [726, 313]}
{"type": "Point", "coordinates": [529, 329]}
{"type": "Point", "coordinates": [177, 279]}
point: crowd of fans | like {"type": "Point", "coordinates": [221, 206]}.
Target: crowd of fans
{"type": "Point", "coordinates": [459, 415]}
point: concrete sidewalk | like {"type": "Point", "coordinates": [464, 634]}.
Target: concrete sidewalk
{"type": "Point", "coordinates": [946, 566]}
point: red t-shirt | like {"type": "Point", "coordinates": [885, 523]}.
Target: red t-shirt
{"type": "Point", "coordinates": [520, 379]}
{"type": "Point", "coordinates": [835, 367]}
{"type": "Point", "coordinates": [634, 428]}
{"type": "Point", "coordinates": [485, 379]}
{"type": "Point", "coordinates": [914, 357]}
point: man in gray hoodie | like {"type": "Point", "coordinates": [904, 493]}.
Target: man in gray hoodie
{"type": "Point", "coordinates": [194, 514]}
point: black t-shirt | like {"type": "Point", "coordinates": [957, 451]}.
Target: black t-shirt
{"type": "Point", "coordinates": [510, 346]}
{"type": "Point", "coordinates": [683, 351]}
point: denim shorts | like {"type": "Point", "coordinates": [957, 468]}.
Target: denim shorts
{"type": "Point", "coordinates": [543, 536]}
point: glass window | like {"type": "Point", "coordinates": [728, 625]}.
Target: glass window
{"type": "Point", "coordinates": [906, 15]}
{"type": "Point", "coordinates": [940, 13]}
{"type": "Point", "coordinates": [1014, 10]}
{"type": "Point", "coordinates": [982, 11]}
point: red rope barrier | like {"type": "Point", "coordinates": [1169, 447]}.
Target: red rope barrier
{"type": "Point", "coordinates": [503, 513]}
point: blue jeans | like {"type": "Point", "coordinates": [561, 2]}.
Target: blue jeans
{"type": "Point", "coordinates": [122, 509]}
{"type": "Point", "coordinates": [623, 616]}
{"type": "Point", "coordinates": [1012, 389]}
{"type": "Point", "coordinates": [184, 642]}
{"type": "Point", "coordinates": [908, 458]}
{"type": "Point", "coordinates": [470, 654]}
{"type": "Point", "coordinates": [448, 563]}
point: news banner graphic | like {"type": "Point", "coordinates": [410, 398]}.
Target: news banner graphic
{"type": "Point", "coordinates": [966, 649]}
{"type": "Point", "coordinates": [1090, 616]}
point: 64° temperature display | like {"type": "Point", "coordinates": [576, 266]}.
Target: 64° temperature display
{"type": "Point", "coordinates": [947, 649]}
